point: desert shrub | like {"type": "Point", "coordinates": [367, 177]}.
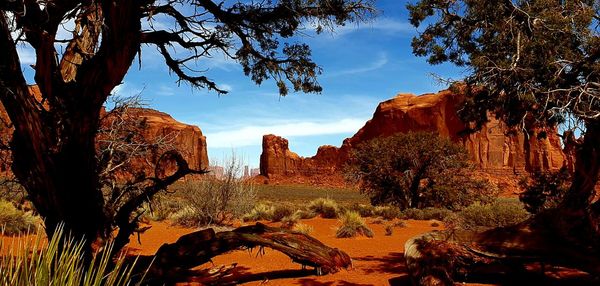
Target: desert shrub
{"type": "Point", "coordinates": [389, 229]}
{"type": "Point", "coordinates": [260, 212]}
{"type": "Point", "coordinates": [162, 207]}
{"type": "Point", "coordinates": [363, 210]}
{"type": "Point", "coordinates": [352, 225]}
{"type": "Point", "coordinates": [305, 214]}
{"type": "Point", "coordinates": [387, 212]}
{"type": "Point", "coordinates": [34, 262]}
{"type": "Point", "coordinates": [327, 208]}
{"type": "Point", "coordinates": [282, 211]}
{"type": "Point", "coordinates": [503, 212]}
{"type": "Point", "coordinates": [399, 224]}
{"type": "Point", "coordinates": [215, 200]}
{"type": "Point", "coordinates": [416, 170]}
{"type": "Point", "coordinates": [303, 228]}
{"type": "Point", "coordinates": [544, 189]}
{"type": "Point", "coordinates": [426, 213]}
{"type": "Point", "coordinates": [435, 224]}
{"type": "Point", "coordinates": [14, 221]}
{"type": "Point", "coordinates": [289, 221]}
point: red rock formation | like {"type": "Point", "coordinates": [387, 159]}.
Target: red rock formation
{"type": "Point", "coordinates": [187, 139]}
{"type": "Point", "coordinates": [495, 148]}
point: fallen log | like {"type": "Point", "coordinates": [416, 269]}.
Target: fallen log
{"type": "Point", "coordinates": [438, 259]}
{"type": "Point", "coordinates": [173, 261]}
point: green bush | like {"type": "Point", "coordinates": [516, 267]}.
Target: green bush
{"type": "Point", "coordinates": [327, 208]}
{"type": "Point", "coordinates": [363, 210]}
{"type": "Point", "coordinates": [352, 225]}
{"type": "Point", "coordinates": [14, 221]}
{"type": "Point", "coordinates": [416, 170]}
{"type": "Point", "coordinates": [426, 214]}
{"type": "Point", "coordinates": [501, 213]}
{"type": "Point", "coordinates": [387, 212]}
{"type": "Point", "coordinates": [35, 263]}
{"type": "Point", "coordinates": [544, 190]}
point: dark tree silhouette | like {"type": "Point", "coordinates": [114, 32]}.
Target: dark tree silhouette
{"type": "Point", "coordinates": [53, 145]}
{"type": "Point", "coordinates": [530, 63]}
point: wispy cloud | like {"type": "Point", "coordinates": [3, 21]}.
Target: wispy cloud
{"type": "Point", "coordinates": [386, 26]}
{"type": "Point", "coordinates": [252, 135]}
{"type": "Point", "coordinates": [381, 61]}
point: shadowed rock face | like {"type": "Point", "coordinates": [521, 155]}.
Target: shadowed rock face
{"type": "Point", "coordinates": [495, 148]}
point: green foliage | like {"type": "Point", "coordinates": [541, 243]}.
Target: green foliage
{"type": "Point", "coordinates": [416, 170]}
{"type": "Point", "coordinates": [535, 60]}
{"type": "Point", "coordinates": [14, 221]}
{"type": "Point", "coordinates": [544, 190]}
{"type": "Point", "coordinates": [300, 194]}
{"type": "Point", "coordinates": [426, 214]}
{"type": "Point", "coordinates": [60, 262]}
{"type": "Point", "coordinates": [352, 225]}
{"type": "Point", "coordinates": [386, 212]}
{"type": "Point", "coordinates": [327, 208]}
{"type": "Point", "coordinates": [503, 212]}
{"type": "Point", "coordinates": [363, 210]}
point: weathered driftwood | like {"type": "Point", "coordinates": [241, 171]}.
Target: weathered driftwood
{"type": "Point", "coordinates": [174, 260]}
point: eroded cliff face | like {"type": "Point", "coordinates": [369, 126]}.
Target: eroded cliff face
{"type": "Point", "coordinates": [187, 139]}
{"type": "Point", "coordinates": [497, 149]}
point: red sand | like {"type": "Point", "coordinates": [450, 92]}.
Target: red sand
{"type": "Point", "coordinates": [377, 261]}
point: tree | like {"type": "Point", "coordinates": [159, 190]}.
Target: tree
{"type": "Point", "coordinates": [416, 170]}
{"type": "Point", "coordinates": [544, 190]}
{"type": "Point", "coordinates": [530, 64]}
{"type": "Point", "coordinates": [53, 145]}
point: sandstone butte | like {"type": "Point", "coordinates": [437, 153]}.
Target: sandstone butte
{"type": "Point", "coordinates": [187, 139]}
{"type": "Point", "coordinates": [496, 149]}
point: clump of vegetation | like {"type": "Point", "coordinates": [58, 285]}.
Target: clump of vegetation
{"type": "Point", "coordinates": [426, 214]}
{"type": "Point", "coordinates": [387, 212]}
{"type": "Point", "coordinates": [282, 211]}
{"type": "Point", "coordinates": [352, 225]}
{"type": "Point", "coordinates": [544, 190]}
{"type": "Point", "coordinates": [303, 228]}
{"type": "Point", "coordinates": [14, 221]}
{"type": "Point", "coordinates": [305, 214]}
{"type": "Point", "coordinates": [389, 229]}
{"type": "Point", "coordinates": [363, 209]}
{"type": "Point", "coordinates": [416, 170]}
{"type": "Point", "coordinates": [327, 208]}
{"type": "Point", "coordinates": [399, 224]}
{"type": "Point", "coordinates": [503, 212]}
{"type": "Point", "coordinates": [217, 200]}
{"type": "Point", "coordinates": [260, 212]}
{"type": "Point", "coordinates": [60, 262]}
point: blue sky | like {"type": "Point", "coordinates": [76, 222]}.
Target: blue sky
{"type": "Point", "coordinates": [362, 66]}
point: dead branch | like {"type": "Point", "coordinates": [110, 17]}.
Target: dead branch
{"type": "Point", "coordinates": [173, 261]}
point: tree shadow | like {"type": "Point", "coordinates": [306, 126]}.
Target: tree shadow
{"type": "Point", "coordinates": [393, 263]}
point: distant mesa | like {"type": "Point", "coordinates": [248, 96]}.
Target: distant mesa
{"type": "Point", "coordinates": [497, 149]}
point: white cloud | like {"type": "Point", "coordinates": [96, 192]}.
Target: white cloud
{"type": "Point", "coordinates": [381, 61]}
{"type": "Point", "coordinates": [252, 135]}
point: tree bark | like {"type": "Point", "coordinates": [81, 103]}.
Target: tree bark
{"type": "Point", "coordinates": [173, 261]}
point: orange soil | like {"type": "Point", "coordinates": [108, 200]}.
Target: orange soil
{"type": "Point", "coordinates": [377, 261]}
